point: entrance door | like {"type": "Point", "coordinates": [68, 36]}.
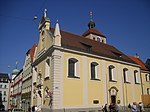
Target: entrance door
{"type": "Point", "coordinates": [113, 99]}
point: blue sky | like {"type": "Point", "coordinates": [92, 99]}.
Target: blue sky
{"type": "Point", "coordinates": [125, 23]}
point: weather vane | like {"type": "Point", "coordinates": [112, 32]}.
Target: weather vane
{"type": "Point", "coordinates": [91, 14]}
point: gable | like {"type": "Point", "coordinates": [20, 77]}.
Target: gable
{"type": "Point", "coordinates": [45, 41]}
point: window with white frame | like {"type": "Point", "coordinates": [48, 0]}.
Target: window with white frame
{"type": "Point", "coordinates": [34, 74]}
{"type": "Point", "coordinates": [125, 75]}
{"type": "Point", "coordinates": [136, 77]}
{"type": "Point", "coordinates": [148, 91]}
{"type": "Point", "coordinates": [98, 39]}
{"type": "Point", "coordinates": [147, 77]}
{"type": "Point", "coordinates": [95, 73]}
{"type": "Point", "coordinates": [73, 68]}
{"type": "Point", "coordinates": [47, 68]}
{"type": "Point", "coordinates": [111, 73]}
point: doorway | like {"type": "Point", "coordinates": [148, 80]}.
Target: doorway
{"type": "Point", "coordinates": [113, 99]}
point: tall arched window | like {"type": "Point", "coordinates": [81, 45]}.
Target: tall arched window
{"type": "Point", "coordinates": [111, 73]}
{"type": "Point", "coordinates": [148, 91]}
{"type": "Point", "coordinates": [125, 75]}
{"type": "Point", "coordinates": [73, 68]}
{"type": "Point", "coordinates": [136, 77]}
{"type": "Point", "coordinates": [147, 77]}
{"type": "Point", "coordinates": [95, 73]}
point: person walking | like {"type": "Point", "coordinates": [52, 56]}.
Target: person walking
{"type": "Point", "coordinates": [105, 108]}
{"type": "Point", "coordinates": [134, 107]}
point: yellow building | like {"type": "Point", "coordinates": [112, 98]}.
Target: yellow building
{"type": "Point", "coordinates": [81, 73]}
{"type": "Point", "coordinates": [145, 81]}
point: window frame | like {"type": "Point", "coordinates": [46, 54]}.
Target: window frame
{"type": "Point", "coordinates": [111, 72]}
{"type": "Point", "coordinates": [148, 91]}
{"type": "Point", "coordinates": [136, 77]}
{"type": "Point", "coordinates": [95, 75]}
{"type": "Point", "coordinates": [125, 75]}
{"type": "Point", "coordinates": [47, 69]}
{"type": "Point", "coordinates": [74, 64]}
{"type": "Point", "coordinates": [147, 78]}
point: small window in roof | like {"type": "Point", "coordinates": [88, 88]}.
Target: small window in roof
{"type": "Point", "coordinates": [86, 46]}
{"type": "Point", "coordinates": [98, 39]}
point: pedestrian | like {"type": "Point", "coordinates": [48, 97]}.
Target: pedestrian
{"type": "Point", "coordinates": [33, 108]}
{"type": "Point", "coordinates": [116, 108]}
{"type": "Point", "coordinates": [105, 108]}
{"type": "Point", "coordinates": [141, 107]}
{"type": "Point", "coordinates": [134, 107]}
{"type": "Point", "coordinates": [111, 107]}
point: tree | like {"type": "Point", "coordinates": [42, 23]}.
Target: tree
{"type": "Point", "coordinates": [148, 63]}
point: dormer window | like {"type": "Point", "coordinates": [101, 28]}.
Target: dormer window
{"type": "Point", "coordinates": [98, 39]}
{"type": "Point", "coordinates": [93, 38]}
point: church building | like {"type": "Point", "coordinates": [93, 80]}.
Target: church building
{"type": "Point", "coordinates": [81, 72]}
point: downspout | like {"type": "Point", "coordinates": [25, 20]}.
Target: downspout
{"type": "Point", "coordinates": [106, 89]}
{"type": "Point", "coordinates": [123, 93]}
{"type": "Point", "coordinates": [141, 82]}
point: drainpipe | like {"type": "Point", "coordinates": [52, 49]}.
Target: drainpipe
{"type": "Point", "coordinates": [106, 89]}
{"type": "Point", "coordinates": [141, 82]}
{"type": "Point", "coordinates": [123, 93]}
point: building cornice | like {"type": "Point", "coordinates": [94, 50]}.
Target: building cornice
{"type": "Point", "coordinates": [51, 49]}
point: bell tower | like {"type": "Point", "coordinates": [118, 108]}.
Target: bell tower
{"type": "Point", "coordinates": [92, 33]}
{"type": "Point", "coordinates": [45, 22]}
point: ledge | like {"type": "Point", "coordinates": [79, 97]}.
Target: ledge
{"type": "Point", "coordinates": [74, 77]}
{"type": "Point", "coordinates": [95, 79]}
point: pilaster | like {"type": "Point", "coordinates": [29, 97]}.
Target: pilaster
{"type": "Point", "coordinates": [57, 79]}
{"type": "Point", "coordinates": [85, 81]}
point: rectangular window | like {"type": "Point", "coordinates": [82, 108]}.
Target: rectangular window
{"type": "Point", "coordinates": [4, 92]}
{"type": "Point", "coordinates": [125, 75]}
{"type": "Point", "coordinates": [0, 86]}
{"type": "Point", "coordinates": [92, 71]}
{"type": "Point", "coordinates": [47, 68]}
{"type": "Point", "coordinates": [95, 70]}
{"type": "Point", "coordinates": [136, 77]}
{"type": "Point", "coordinates": [148, 91]}
{"type": "Point", "coordinates": [147, 77]}
{"type": "Point", "coordinates": [34, 74]}
{"type": "Point", "coordinates": [112, 76]}
{"type": "Point", "coordinates": [71, 68]}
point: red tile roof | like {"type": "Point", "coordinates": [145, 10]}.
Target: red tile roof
{"type": "Point", "coordinates": [32, 51]}
{"type": "Point", "coordinates": [139, 62]}
{"type": "Point", "coordinates": [80, 43]}
{"type": "Point", "coordinates": [92, 31]}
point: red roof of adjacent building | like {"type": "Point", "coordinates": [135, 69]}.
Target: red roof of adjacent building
{"type": "Point", "coordinates": [32, 51]}
{"type": "Point", "coordinates": [139, 62]}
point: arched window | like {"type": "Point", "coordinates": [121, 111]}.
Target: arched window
{"type": "Point", "coordinates": [136, 77]}
{"type": "Point", "coordinates": [148, 91]}
{"type": "Point", "coordinates": [111, 73]}
{"type": "Point", "coordinates": [125, 75]}
{"type": "Point", "coordinates": [95, 73]}
{"type": "Point", "coordinates": [98, 39]}
{"type": "Point", "coordinates": [73, 68]}
{"type": "Point", "coordinates": [147, 77]}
